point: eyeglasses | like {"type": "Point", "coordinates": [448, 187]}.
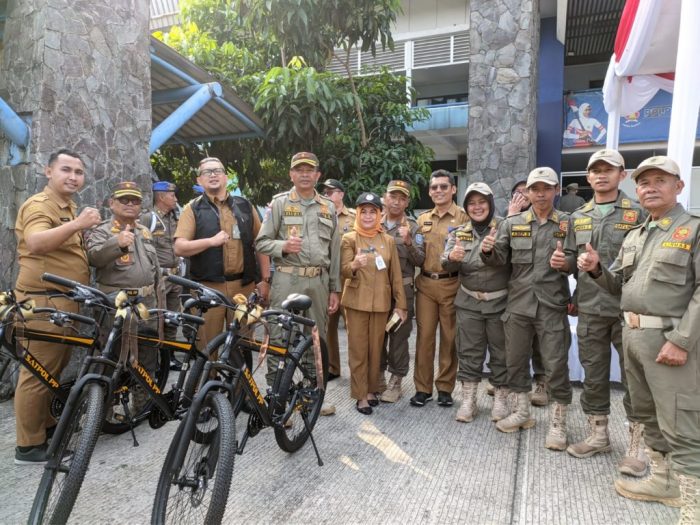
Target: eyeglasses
{"type": "Point", "coordinates": [136, 201]}
{"type": "Point", "coordinates": [209, 173]}
{"type": "Point", "coordinates": [442, 187]}
{"type": "Point", "coordinates": [328, 193]}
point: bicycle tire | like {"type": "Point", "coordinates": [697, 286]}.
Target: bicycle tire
{"type": "Point", "coordinates": [59, 486]}
{"type": "Point", "coordinates": [111, 425]}
{"type": "Point", "coordinates": [293, 434]}
{"type": "Point", "coordinates": [182, 489]}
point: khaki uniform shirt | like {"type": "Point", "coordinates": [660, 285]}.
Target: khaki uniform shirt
{"type": "Point", "coordinates": [116, 268]}
{"type": "Point", "coordinates": [410, 256]}
{"type": "Point", "coordinates": [528, 246]}
{"type": "Point", "coordinates": [233, 248]}
{"type": "Point", "coordinates": [41, 212]}
{"type": "Point", "coordinates": [433, 231]}
{"type": "Point", "coordinates": [315, 223]}
{"type": "Point", "coordinates": [346, 220]}
{"type": "Point", "coordinates": [658, 273]}
{"type": "Point", "coordinates": [474, 275]}
{"type": "Point", "coordinates": [370, 289]}
{"type": "Point", "coordinates": [162, 227]}
{"type": "Point", "coordinates": [605, 234]}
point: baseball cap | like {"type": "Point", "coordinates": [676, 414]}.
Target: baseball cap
{"type": "Point", "coordinates": [164, 185]}
{"type": "Point", "coordinates": [572, 186]}
{"type": "Point", "coordinates": [479, 187]}
{"type": "Point", "coordinates": [304, 157]}
{"type": "Point", "coordinates": [369, 198]}
{"type": "Point", "coordinates": [544, 174]}
{"type": "Point", "coordinates": [122, 189]}
{"type": "Point", "coordinates": [333, 184]}
{"type": "Point", "coordinates": [399, 185]}
{"type": "Point", "coordinates": [660, 162]}
{"type": "Point", "coordinates": [610, 156]}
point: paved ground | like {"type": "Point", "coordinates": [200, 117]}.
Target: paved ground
{"type": "Point", "coordinates": [400, 465]}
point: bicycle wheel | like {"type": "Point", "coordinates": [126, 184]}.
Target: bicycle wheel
{"type": "Point", "coordinates": [65, 471]}
{"type": "Point", "coordinates": [300, 387]}
{"type": "Point", "coordinates": [140, 403]}
{"type": "Point", "coordinates": [197, 490]}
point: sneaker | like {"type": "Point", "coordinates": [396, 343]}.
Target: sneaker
{"type": "Point", "coordinates": [327, 409]}
{"type": "Point", "coordinates": [332, 376]}
{"type": "Point", "coordinates": [421, 398]}
{"type": "Point", "coordinates": [445, 399]}
{"type": "Point", "coordinates": [31, 455]}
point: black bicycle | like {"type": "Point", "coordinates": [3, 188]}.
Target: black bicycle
{"type": "Point", "coordinates": [196, 476]}
{"type": "Point", "coordinates": [106, 380]}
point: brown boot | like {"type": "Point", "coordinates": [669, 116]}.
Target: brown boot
{"type": "Point", "coordinates": [635, 462]}
{"type": "Point", "coordinates": [520, 417]}
{"type": "Point", "coordinates": [597, 440]}
{"type": "Point", "coordinates": [690, 496]}
{"type": "Point", "coordinates": [500, 408]}
{"type": "Point", "coordinates": [467, 410]}
{"type": "Point", "coordinates": [393, 391]}
{"type": "Point", "coordinates": [661, 485]}
{"type": "Point", "coordinates": [556, 435]}
{"type": "Point", "coordinates": [540, 394]}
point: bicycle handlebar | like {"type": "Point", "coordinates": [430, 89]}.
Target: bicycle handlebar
{"type": "Point", "coordinates": [69, 315]}
{"type": "Point", "coordinates": [193, 285]}
{"type": "Point", "coordinates": [76, 286]}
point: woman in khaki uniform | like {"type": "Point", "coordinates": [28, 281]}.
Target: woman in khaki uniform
{"type": "Point", "coordinates": [371, 269]}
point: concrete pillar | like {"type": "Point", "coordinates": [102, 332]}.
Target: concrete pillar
{"type": "Point", "coordinates": [80, 71]}
{"type": "Point", "coordinates": [504, 38]}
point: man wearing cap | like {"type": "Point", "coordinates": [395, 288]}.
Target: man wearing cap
{"type": "Point", "coordinates": [403, 229]}
{"type": "Point", "coordinates": [217, 232]}
{"type": "Point", "coordinates": [302, 237]}
{"type": "Point", "coordinates": [538, 298]}
{"type": "Point", "coordinates": [49, 239]}
{"type": "Point", "coordinates": [335, 191]}
{"type": "Point", "coordinates": [603, 223]}
{"type": "Point", "coordinates": [571, 201]}
{"type": "Point", "coordinates": [657, 273]}
{"type": "Point", "coordinates": [435, 297]}
{"type": "Point", "coordinates": [162, 223]}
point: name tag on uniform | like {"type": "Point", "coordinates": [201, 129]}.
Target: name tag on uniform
{"type": "Point", "coordinates": [379, 261]}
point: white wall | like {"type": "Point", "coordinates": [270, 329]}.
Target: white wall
{"type": "Point", "coordinates": [427, 15]}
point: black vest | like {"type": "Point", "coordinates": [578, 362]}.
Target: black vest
{"type": "Point", "coordinates": [209, 264]}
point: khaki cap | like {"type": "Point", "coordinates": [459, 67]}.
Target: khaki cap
{"type": "Point", "coordinates": [122, 189]}
{"type": "Point", "coordinates": [479, 187]}
{"type": "Point", "coordinates": [660, 162]}
{"type": "Point", "coordinates": [399, 185]}
{"type": "Point", "coordinates": [544, 174]}
{"type": "Point", "coordinates": [304, 157]}
{"type": "Point", "coordinates": [610, 156]}
{"type": "Point", "coordinates": [572, 186]}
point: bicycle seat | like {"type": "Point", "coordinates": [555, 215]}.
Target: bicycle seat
{"type": "Point", "coordinates": [297, 301]}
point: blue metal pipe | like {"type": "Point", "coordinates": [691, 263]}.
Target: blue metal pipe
{"type": "Point", "coordinates": [13, 126]}
{"type": "Point", "coordinates": [212, 138]}
{"type": "Point", "coordinates": [187, 78]}
{"type": "Point", "coordinates": [181, 115]}
{"type": "Point", "coordinates": [169, 96]}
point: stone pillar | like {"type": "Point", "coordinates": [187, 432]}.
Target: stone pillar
{"type": "Point", "coordinates": [504, 39]}
{"type": "Point", "coordinates": [80, 71]}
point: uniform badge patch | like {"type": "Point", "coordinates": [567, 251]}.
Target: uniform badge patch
{"type": "Point", "coordinates": [621, 226]}
{"type": "Point", "coordinates": [681, 233]}
{"type": "Point", "coordinates": [630, 216]}
{"type": "Point", "coordinates": [419, 239]}
{"type": "Point", "coordinates": [679, 245]}
{"type": "Point", "coordinates": [564, 225]}
{"type": "Point", "coordinates": [292, 211]}
{"type": "Point", "coordinates": [666, 221]}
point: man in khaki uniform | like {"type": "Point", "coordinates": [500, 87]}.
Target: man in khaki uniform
{"type": "Point", "coordinates": [217, 232]}
{"type": "Point", "coordinates": [335, 191]}
{"type": "Point", "coordinates": [538, 298]}
{"type": "Point", "coordinates": [404, 230]}
{"type": "Point", "coordinates": [571, 201]}
{"type": "Point", "coordinates": [435, 297]}
{"type": "Point", "coordinates": [603, 222]}
{"type": "Point", "coordinates": [49, 239]}
{"type": "Point", "coordinates": [301, 234]}
{"type": "Point", "coordinates": [657, 272]}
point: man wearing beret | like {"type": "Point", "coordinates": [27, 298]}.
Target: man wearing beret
{"type": "Point", "coordinates": [657, 273]}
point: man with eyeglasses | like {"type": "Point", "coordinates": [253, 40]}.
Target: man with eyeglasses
{"type": "Point", "coordinates": [435, 296]}
{"type": "Point", "coordinates": [217, 232]}
{"type": "Point", "coordinates": [335, 191]}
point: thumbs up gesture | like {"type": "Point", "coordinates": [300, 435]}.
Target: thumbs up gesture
{"type": "Point", "coordinates": [489, 241]}
{"type": "Point", "coordinates": [293, 243]}
{"type": "Point", "coordinates": [589, 261]}
{"type": "Point", "coordinates": [126, 237]}
{"type": "Point", "coordinates": [359, 261]}
{"type": "Point", "coordinates": [457, 253]}
{"type": "Point", "coordinates": [558, 259]}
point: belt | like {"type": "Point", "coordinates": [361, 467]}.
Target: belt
{"type": "Point", "coordinates": [144, 291]}
{"type": "Point", "coordinates": [484, 296]}
{"type": "Point", "coordinates": [407, 280]}
{"type": "Point", "coordinates": [633, 320]}
{"type": "Point", "coordinates": [301, 271]}
{"type": "Point", "coordinates": [233, 277]}
{"type": "Point", "coordinates": [437, 275]}
{"type": "Point", "coordinates": [175, 270]}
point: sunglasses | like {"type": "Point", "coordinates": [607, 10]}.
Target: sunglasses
{"type": "Point", "coordinates": [129, 200]}
{"type": "Point", "coordinates": [442, 187]}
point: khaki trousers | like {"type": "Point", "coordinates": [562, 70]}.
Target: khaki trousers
{"type": "Point", "coordinates": [365, 342]}
{"type": "Point", "coordinates": [396, 358]}
{"type": "Point", "coordinates": [217, 319]}
{"type": "Point", "coordinates": [172, 303]}
{"type": "Point", "coordinates": [475, 333]}
{"type": "Point", "coordinates": [332, 342]}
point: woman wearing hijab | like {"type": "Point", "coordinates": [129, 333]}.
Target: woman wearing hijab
{"type": "Point", "coordinates": [480, 302]}
{"type": "Point", "coordinates": [371, 269]}
{"type": "Point", "coordinates": [581, 127]}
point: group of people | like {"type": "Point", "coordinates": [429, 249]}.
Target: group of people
{"type": "Point", "coordinates": [495, 287]}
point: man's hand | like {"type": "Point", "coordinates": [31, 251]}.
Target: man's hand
{"type": "Point", "coordinates": [589, 261]}
{"type": "Point", "coordinates": [219, 239]}
{"type": "Point", "coordinates": [489, 241]}
{"type": "Point", "coordinates": [333, 303]}
{"type": "Point", "coordinates": [125, 237]}
{"type": "Point", "coordinates": [516, 203]}
{"type": "Point", "coordinates": [403, 314]}
{"type": "Point", "coordinates": [457, 253]}
{"type": "Point", "coordinates": [672, 355]}
{"type": "Point", "coordinates": [405, 233]}
{"type": "Point", "coordinates": [558, 259]}
{"type": "Point", "coordinates": [88, 218]}
{"type": "Point", "coordinates": [263, 288]}
{"type": "Point", "coordinates": [359, 261]}
{"type": "Point", "coordinates": [293, 244]}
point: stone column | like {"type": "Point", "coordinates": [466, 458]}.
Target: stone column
{"type": "Point", "coordinates": [504, 39]}
{"type": "Point", "coordinates": [80, 70]}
